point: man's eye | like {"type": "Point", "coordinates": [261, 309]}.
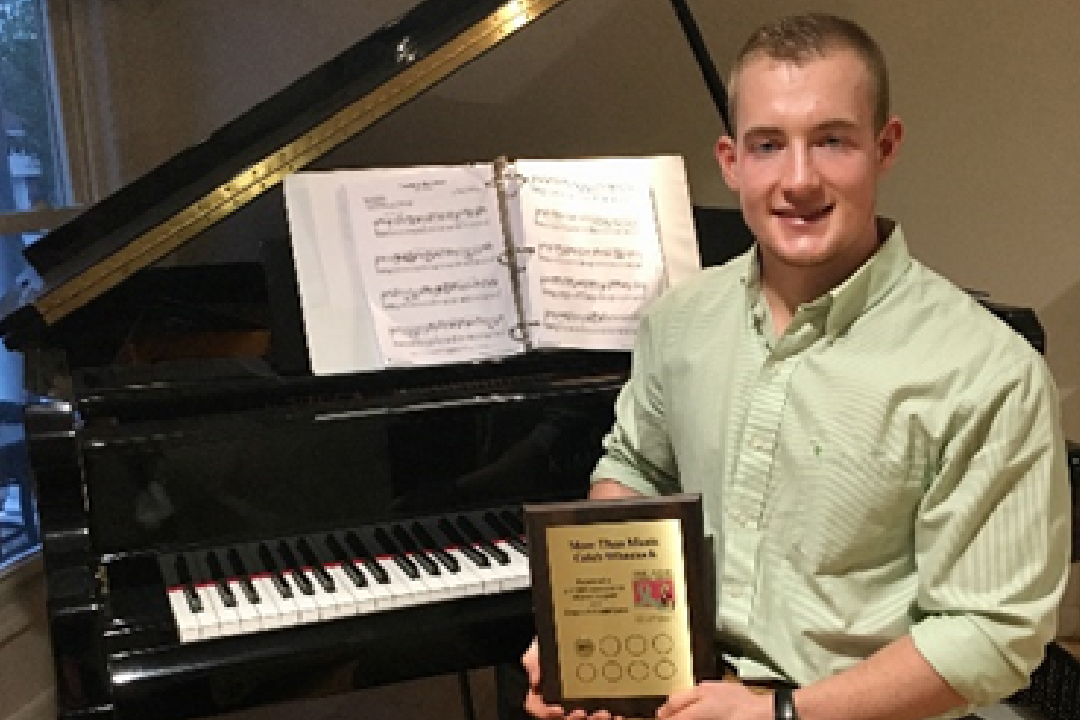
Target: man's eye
{"type": "Point", "coordinates": [764, 147]}
{"type": "Point", "coordinates": [832, 141]}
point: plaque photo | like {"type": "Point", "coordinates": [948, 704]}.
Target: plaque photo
{"type": "Point", "coordinates": [619, 595]}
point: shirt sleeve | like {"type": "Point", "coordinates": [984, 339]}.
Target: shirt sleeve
{"type": "Point", "coordinates": [993, 538]}
{"type": "Point", "coordinates": [638, 451]}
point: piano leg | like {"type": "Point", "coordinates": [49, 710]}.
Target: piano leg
{"type": "Point", "coordinates": [466, 695]}
{"type": "Point", "coordinates": [511, 683]}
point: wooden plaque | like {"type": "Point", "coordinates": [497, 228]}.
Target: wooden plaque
{"type": "Point", "coordinates": [619, 594]}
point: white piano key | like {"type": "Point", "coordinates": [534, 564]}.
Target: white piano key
{"type": "Point", "coordinates": [250, 613]}
{"type": "Point", "coordinates": [209, 621]}
{"type": "Point", "coordinates": [309, 608]}
{"type": "Point", "coordinates": [331, 604]}
{"type": "Point", "coordinates": [381, 593]}
{"type": "Point", "coordinates": [518, 569]}
{"type": "Point", "coordinates": [187, 622]}
{"type": "Point", "coordinates": [507, 576]}
{"type": "Point", "coordinates": [477, 581]}
{"type": "Point", "coordinates": [439, 588]}
{"type": "Point", "coordinates": [228, 617]}
{"type": "Point", "coordinates": [405, 591]}
{"type": "Point", "coordinates": [279, 611]}
{"type": "Point", "coordinates": [360, 599]}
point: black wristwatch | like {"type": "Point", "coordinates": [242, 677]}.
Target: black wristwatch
{"type": "Point", "coordinates": [783, 705]}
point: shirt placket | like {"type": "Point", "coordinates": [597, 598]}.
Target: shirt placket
{"type": "Point", "coordinates": [746, 501]}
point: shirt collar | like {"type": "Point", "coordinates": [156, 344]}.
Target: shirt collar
{"type": "Point", "coordinates": [858, 293]}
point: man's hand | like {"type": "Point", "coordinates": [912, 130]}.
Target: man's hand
{"type": "Point", "coordinates": [534, 701]}
{"type": "Point", "coordinates": [712, 700]}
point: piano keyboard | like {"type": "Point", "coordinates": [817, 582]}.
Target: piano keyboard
{"type": "Point", "coordinates": [260, 586]}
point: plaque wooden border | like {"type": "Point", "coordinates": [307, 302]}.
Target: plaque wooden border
{"type": "Point", "coordinates": [686, 508]}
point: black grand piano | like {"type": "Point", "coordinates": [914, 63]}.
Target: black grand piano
{"type": "Point", "coordinates": [221, 528]}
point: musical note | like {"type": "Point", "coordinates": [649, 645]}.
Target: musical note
{"type": "Point", "coordinates": [436, 221]}
{"type": "Point", "coordinates": [594, 322]}
{"type": "Point", "coordinates": [576, 288]}
{"type": "Point", "coordinates": [589, 256]}
{"type": "Point", "coordinates": [591, 223]}
{"type": "Point", "coordinates": [445, 293]}
{"type": "Point", "coordinates": [435, 333]}
{"type": "Point", "coordinates": [435, 258]}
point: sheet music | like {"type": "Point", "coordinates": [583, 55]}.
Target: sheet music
{"type": "Point", "coordinates": [431, 252]}
{"type": "Point", "coordinates": [593, 258]}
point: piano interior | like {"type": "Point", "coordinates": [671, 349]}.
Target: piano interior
{"type": "Point", "coordinates": [221, 528]}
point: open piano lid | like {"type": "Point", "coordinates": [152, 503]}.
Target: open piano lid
{"type": "Point", "coordinates": [104, 270]}
{"type": "Point", "coordinates": [135, 227]}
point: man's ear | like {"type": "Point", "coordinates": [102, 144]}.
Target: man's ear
{"type": "Point", "coordinates": [727, 157]}
{"type": "Point", "coordinates": [888, 143]}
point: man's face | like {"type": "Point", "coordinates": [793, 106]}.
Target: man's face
{"type": "Point", "coordinates": [806, 160]}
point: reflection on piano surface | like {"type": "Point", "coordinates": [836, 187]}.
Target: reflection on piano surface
{"type": "Point", "coordinates": [221, 528]}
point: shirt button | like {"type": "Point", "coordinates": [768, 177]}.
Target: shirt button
{"type": "Point", "coordinates": [759, 442]}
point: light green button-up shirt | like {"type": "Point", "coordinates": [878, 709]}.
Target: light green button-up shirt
{"type": "Point", "coordinates": [891, 464]}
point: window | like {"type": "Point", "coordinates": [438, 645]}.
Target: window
{"type": "Point", "coordinates": [35, 195]}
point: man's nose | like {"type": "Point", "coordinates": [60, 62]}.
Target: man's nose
{"type": "Point", "coordinates": [799, 172]}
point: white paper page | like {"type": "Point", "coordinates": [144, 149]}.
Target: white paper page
{"type": "Point", "coordinates": [595, 260]}
{"type": "Point", "coordinates": [431, 252]}
{"type": "Point", "coordinates": [337, 323]}
{"type": "Point", "coordinates": [675, 217]}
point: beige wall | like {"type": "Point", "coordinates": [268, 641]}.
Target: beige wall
{"type": "Point", "coordinates": [26, 678]}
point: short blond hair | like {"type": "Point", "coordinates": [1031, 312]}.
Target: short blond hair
{"type": "Point", "coordinates": [800, 38]}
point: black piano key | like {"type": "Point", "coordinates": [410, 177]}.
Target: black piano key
{"type": "Point", "coordinates": [357, 546]}
{"type": "Point", "coordinates": [501, 530]}
{"type": "Point", "coordinates": [387, 544]}
{"type": "Point", "coordinates": [456, 538]}
{"type": "Point", "coordinates": [271, 566]}
{"type": "Point", "coordinates": [485, 544]}
{"type": "Point", "coordinates": [513, 521]}
{"type": "Point", "coordinates": [183, 574]}
{"type": "Point", "coordinates": [288, 557]}
{"type": "Point", "coordinates": [347, 565]}
{"type": "Point", "coordinates": [427, 541]}
{"type": "Point", "coordinates": [409, 544]}
{"type": "Point", "coordinates": [221, 581]}
{"type": "Point", "coordinates": [242, 575]}
{"type": "Point", "coordinates": [316, 565]}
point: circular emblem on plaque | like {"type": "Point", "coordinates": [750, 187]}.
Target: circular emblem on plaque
{"type": "Point", "coordinates": [610, 645]}
{"type": "Point", "coordinates": [584, 647]}
{"type": "Point", "coordinates": [586, 672]}
{"type": "Point", "coordinates": [665, 669]}
{"type": "Point", "coordinates": [612, 671]}
{"type": "Point", "coordinates": [638, 670]}
{"type": "Point", "coordinates": [636, 645]}
{"type": "Point", "coordinates": [662, 643]}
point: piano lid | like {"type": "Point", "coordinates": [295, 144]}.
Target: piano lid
{"type": "Point", "coordinates": [144, 221]}
{"type": "Point", "coordinates": [95, 266]}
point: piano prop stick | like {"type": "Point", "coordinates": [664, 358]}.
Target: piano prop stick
{"type": "Point", "coordinates": [620, 603]}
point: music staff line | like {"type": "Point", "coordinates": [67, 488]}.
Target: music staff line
{"type": "Point", "coordinates": [436, 258]}
{"type": "Point", "coordinates": [436, 221]}
{"type": "Point", "coordinates": [433, 333]}
{"type": "Point", "coordinates": [451, 292]}
{"type": "Point", "coordinates": [589, 223]}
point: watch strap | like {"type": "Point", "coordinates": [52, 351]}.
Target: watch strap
{"type": "Point", "coordinates": [784, 705]}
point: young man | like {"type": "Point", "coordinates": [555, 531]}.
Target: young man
{"type": "Point", "coordinates": [881, 459]}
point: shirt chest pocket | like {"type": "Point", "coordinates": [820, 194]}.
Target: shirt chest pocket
{"type": "Point", "coordinates": [851, 511]}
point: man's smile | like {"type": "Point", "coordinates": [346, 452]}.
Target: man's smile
{"type": "Point", "coordinates": [804, 215]}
